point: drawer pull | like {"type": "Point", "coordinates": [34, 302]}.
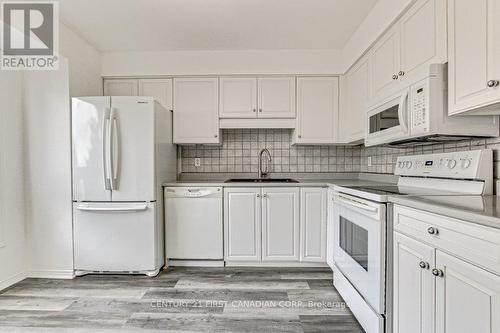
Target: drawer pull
{"type": "Point", "coordinates": [432, 231]}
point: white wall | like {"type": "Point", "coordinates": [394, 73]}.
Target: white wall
{"type": "Point", "coordinates": [46, 98]}
{"type": "Point", "coordinates": [48, 172]}
{"type": "Point", "coordinates": [12, 220]}
{"type": "Point", "coordinates": [84, 63]}
{"type": "Point", "coordinates": [376, 22]}
{"type": "Point", "coordinates": [221, 62]}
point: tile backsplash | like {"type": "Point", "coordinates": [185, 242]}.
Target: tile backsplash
{"type": "Point", "coordinates": [240, 148]}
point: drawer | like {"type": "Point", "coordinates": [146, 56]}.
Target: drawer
{"type": "Point", "coordinates": [477, 244]}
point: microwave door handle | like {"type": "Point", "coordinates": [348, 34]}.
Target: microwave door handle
{"type": "Point", "coordinates": [403, 110]}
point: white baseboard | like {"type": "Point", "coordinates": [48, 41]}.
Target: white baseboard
{"type": "Point", "coordinates": [274, 264]}
{"type": "Point", "coordinates": [12, 280]}
{"type": "Point", "coordinates": [52, 274]}
{"type": "Point", "coordinates": [196, 263]}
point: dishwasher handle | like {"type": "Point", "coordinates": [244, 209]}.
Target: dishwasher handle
{"type": "Point", "coordinates": [193, 192]}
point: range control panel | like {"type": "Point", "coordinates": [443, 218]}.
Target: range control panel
{"type": "Point", "coordinates": [460, 165]}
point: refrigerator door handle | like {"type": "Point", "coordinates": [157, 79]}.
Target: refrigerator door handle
{"type": "Point", "coordinates": [128, 208]}
{"type": "Point", "coordinates": [114, 148]}
{"type": "Point", "coordinates": [105, 152]}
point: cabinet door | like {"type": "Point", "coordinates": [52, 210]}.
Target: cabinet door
{"type": "Point", "coordinates": [276, 97]}
{"type": "Point", "coordinates": [413, 286]}
{"type": "Point", "coordinates": [313, 224]}
{"type": "Point", "coordinates": [330, 229]}
{"type": "Point", "coordinates": [317, 103]}
{"type": "Point", "coordinates": [385, 63]}
{"type": "Point", "coordinates": [238, 97]}
{"type": "Point", "coordinates": [280, 224]}
{"type": "Point", "coordinates": [423, 37]}
{"type": "Point", "coordinates": [196, 116]}
{"type": "Point", "coordinates": [121, 87]}
{"type": "Point", "coordinates": [356, 93]}
{"type": "Point", "coordinates": [467, 297]}
{"type": "Point", "coordinates": [159, 89]}
{"type": "Point", "coordinates": [474, 53]}
{"type": "Point", "coordinates": [242, 224]}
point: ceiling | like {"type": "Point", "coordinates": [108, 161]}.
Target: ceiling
{"type": "Point", "coordinates": [173, 25]}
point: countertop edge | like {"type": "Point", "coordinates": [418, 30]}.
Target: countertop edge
{"type": "Point", "coordinates": [450, 212]}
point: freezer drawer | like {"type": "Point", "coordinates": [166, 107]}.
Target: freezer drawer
{"type": "Point", "coordinates": [115, 237]}
{"type": "Point", "coordinates": [193, 218]}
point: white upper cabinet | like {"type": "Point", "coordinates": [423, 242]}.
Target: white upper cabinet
{"type": "Point", "coordinates": [159, 89]}
{"type": "Point", "coordinates": [280, 224]}
{"type": "Point", "coordinates": [317, 105]}
{"type": "Point", "coordinates": [414, 42]}
{"type": "Point", "coordinates": [423, 37]}
{"type": "Point", "coordinates": [196, 115]}
{"type": "Point", "coordinates": [313, 224]}
{"type": "Point", "coordinates": [276, 97]}
{"type": "Point", "coordinates": [355, 94]}
{"type": "Point", "coordinates": [474, 56]}
{"type": "Point", "coordinates": [238, 97]}
{"type": "Point", "coordinates": [385, 61]}
{"type": "Point", "coordinates": [126, 87]}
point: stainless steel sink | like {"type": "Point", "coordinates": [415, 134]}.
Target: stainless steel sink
{"type": "Point", "coordinates": [261, 180]}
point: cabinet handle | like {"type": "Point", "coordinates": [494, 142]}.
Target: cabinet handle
{"type": "Point", "coordinates": [493, 83]}
{"type": "Point", "coordinates": [401, 73]}
{"type": "Point", "coordinates": [258, 195]}
{"type": "Point", "coordinates": [424, 265]}
{"type": "Point", "coordinates": [300, 136]}
{"type": "Point", "coordinates": [254, 110]}
{"type": "Point", "coordinates": [394, 77]}
{"type": "Point", "coordinates": [260, 110]}
{"type": "Point", "coordinates": [216, 136]}
{"type": "Point", "coordinates": [432, 231]}
{"type": "Point", "coordinates": [437, 272]}
{"type": "Point", "coordinates": [265, 195]}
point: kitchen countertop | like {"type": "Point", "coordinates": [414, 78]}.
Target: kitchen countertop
{"type": "Point", "coordinates": [484, 210]}
{"type": "Point", "coordinates": [301, 183]}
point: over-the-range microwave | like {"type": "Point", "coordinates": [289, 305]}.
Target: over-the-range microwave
{"type": "Point", "coordinates": [418, 114]}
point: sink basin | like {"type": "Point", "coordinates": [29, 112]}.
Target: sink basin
{"type": "Point", "coordinates": [262, 180]}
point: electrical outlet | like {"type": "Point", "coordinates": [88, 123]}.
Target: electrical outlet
{"type": "Point", "coordinates": [197, 162]}
{"type": "Point", "coordinates": [369, 161]}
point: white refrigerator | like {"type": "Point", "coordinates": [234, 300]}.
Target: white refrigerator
{"type": "Point", "coordinates": [122, 154]}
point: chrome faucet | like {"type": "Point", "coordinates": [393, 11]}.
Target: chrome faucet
{"type": "Point", "coordinates": [265, 172]}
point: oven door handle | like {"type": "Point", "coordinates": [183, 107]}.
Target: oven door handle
{"type": "Point", "coordinates": [355, 203]}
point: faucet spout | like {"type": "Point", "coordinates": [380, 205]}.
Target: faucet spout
{"type": "Point", "coordinates": [263, 173]}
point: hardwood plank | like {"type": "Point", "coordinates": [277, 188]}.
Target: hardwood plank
{"type": "Point", "coordinates": [220, 294]}
{"type": "Point", "coordinates": [237, 285]}
{"type": "Point", "coordinates": [333, 324]}
{"type": "Point", "coordinates": [35, 303]}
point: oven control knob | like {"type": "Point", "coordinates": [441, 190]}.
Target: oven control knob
{"type": "Point", "coordinates": [466, 163]}
{"type": "Point", "coordinates": [401, 165]}
{"type": "Point", "coordinates": [409, 164]}
{"type": "Point", "coordinates": [451, 164]}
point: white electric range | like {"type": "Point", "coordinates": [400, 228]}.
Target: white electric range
{"type": "Point", "coordinates": [362, 249]}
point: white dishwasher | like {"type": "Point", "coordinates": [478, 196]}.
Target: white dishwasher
{"type": "Point", "coordinates": [193, 223]}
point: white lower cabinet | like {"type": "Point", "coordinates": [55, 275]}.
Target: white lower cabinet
{"type": "Point", "coordinates": [467, 297]}
{"type": "Point", "coordinates": [242, 224]}
{"type": "Point", "coordinates": [330, 228]}
{"type": "Point", "coordinates": [439, 289]}
{"type": "Point", "coordinates": [266, 224]}
{"type": "Point", "coordinates": [280, 224]}
{"type": "Point", "coordinates": [313, 224]}
{"type": "Point", "coordinates": [413, 285]}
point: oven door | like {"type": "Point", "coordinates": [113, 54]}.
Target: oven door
{"type": "Point", "coordinates": [388, 122]}
{"type": "Point", "coordinates": [359, 246]}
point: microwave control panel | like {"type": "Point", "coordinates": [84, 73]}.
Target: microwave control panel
{"type": "Point", "coordinates": [419, 108]}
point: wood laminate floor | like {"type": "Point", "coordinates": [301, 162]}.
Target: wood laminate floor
{"type": "Point", "coordinates": [181, 300]}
